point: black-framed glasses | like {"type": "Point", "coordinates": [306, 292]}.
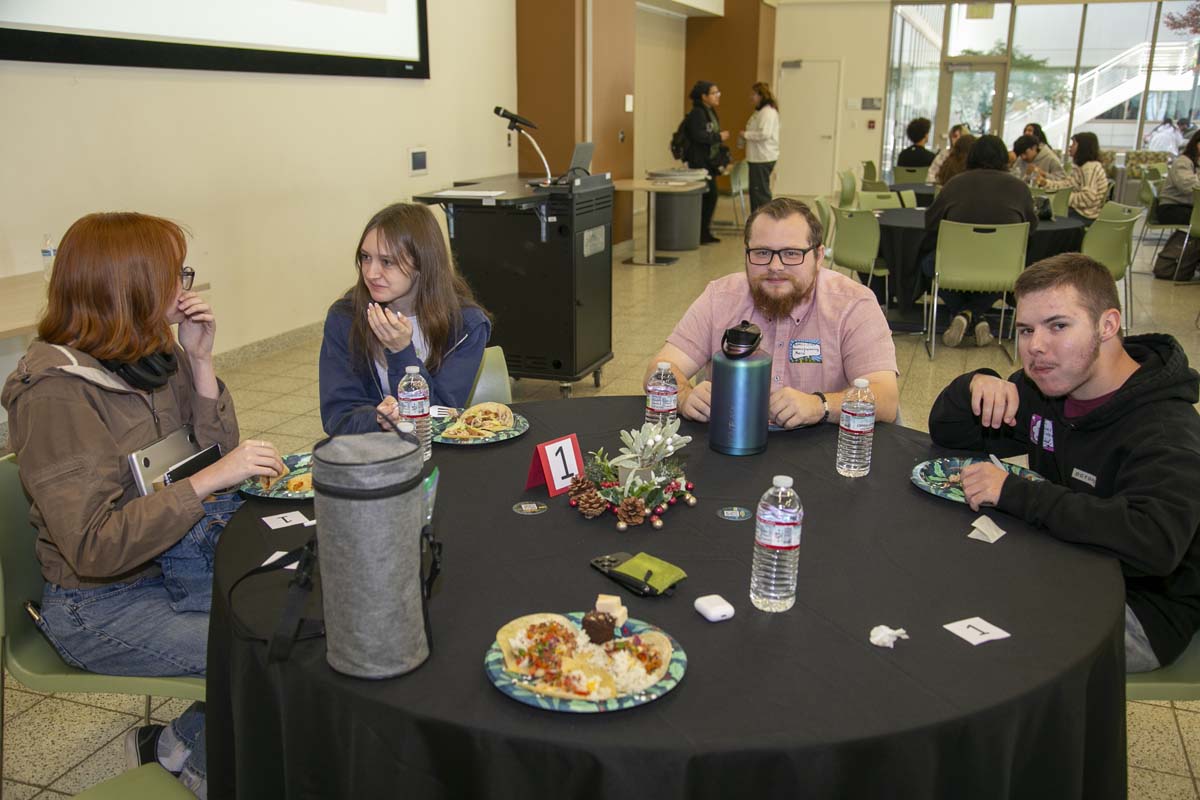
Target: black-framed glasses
{"type": "Point", "coordinates": [187, 277]}
{"type": "Point", "coordinates": [788, 256]}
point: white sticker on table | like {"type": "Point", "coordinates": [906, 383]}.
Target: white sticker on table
{"type": "Point", "coordinates": [976, 630]}
{"type": "Point", "coordinates": [286, 520]}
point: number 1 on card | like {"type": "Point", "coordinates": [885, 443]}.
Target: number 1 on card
{"type": "Point", "coordinates": [554, 464]}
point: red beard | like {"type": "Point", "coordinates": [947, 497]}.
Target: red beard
{"type": "Point", "coordinates": [777, 306]}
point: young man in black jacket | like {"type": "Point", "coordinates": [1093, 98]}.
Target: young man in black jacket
{"type": "Point", "coordinates": [705, 139]}
{"type": "Point", "coordinates": [1111, 425]}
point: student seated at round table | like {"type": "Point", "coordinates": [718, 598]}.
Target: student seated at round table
{"type": "Point", "coordinates": [408, 307]}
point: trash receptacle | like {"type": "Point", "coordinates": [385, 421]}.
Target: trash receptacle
{"type": "Point", "coordinates": [677, 214]}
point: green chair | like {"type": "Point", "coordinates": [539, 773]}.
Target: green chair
{"type": "Point", "coordinates": [875, 186]}
{"type": "Point", "coordinates": [908, 198]}
{"type": "Point", "coordinates": [739, 182]}
{"type": "Point", "coordinates": [869, 171]}
{"type": "Point", "coordinates": [1193, 227]}
{"type": "Point", "coordinates": [858, 245]}
{"type": "Point", "coordinates": [147, 782]}
{"type": "Point", "coordinates": [975, 258]}
{"type": "Point", "coordinates": [491, 379]}
{"type": "Point", "coordinates": [25, 652]}
{"type": "Point", "coordinates": [848, 190]}
{"type": "Point", "coordinates": [1177, 681]}
{"type": "Point", "coordinates": [910, 174]}
{"type": "Point", "coordinates": [1060, 200]}
{"type": "Point", "coordinates": [825, 215]}
{"type": "Point", "coordinates": [1119, 211]}
{"type": "Point", "coordinates": [1110, 241]}
{"type": "Point", "coordinates": [869, 201]}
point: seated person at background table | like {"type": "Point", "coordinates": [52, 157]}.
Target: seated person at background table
{"type": "Point", "coordinates": [128, 578]}
{"type": "Point", "coordinates": [936, 165]}
{"type": "Point", "coordinates": [821, 328]}
{"type": "Point", "coordinates": [1088, 181]}
{"type": "Point", "coordinates": [1111, 426]}
{"type": "Point", "coordinates": [986, 194]}
{"type": "Point", "coordinates": [916, 155]}
{"type": "Point", "coordinates": [957, 160]}
{"type": "Point", "coordinates": [1035, 130]}
{"type": "Point", "coordinates": [409, 307]}
{"type": "Point", "coordinates": [1032, 156]}
{"type": "Point", "coordinates": [1175, 208]}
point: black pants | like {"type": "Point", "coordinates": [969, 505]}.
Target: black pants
{"type": "Point", "coordinates": [708, 204]}
{"type": "Point", "coordinates": [760, 184]}
{"type": "Point", "coordinates": [1173, 214]}
{"type": "Point", "coordinates": [976, 304]}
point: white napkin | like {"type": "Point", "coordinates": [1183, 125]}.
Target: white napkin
{"type": "Point", "coordinates": [985, 530]}
{"type": "Point", "coordinates": [883, 636]}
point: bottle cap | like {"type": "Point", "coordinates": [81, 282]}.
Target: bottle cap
{"type": "Point", "coordinates": [782, 481]}
{"type": "Point", "coordinates": [664, 365]}
{"type": "Point", "coordinates": [415, 370]}
{"type": "Point", "coordinates": [862, 383]}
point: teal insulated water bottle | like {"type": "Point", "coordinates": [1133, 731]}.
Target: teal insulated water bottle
{"type": "Point", "coordinates": [741, 392]}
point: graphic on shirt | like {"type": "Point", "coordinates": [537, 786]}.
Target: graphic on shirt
{"type": "Point", "coordinates": [1085, 477]}
{"type": "Point", "coordinates": [1048, 436]}
{"type": "Point", "coordinates": [1035, 428]}
{"type": "Point", "coordinates": [804, 351]}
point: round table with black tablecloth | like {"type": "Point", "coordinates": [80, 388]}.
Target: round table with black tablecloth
{"type": "Point", "coordinates": [902, 230]}
{"type": "Point", "coordinates": [923, 191]}
{"type": "Point", "coordinates": [772, 705]}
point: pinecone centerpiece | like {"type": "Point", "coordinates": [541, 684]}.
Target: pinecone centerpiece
{"type": "Point", "coordinates": [580, 485]}
{"type": "Point", "coordinates": [632, 511]}
{"type": "Point", "coordinates": [653, 482]}
{"type": "Point", "coordinates": [591, 504]}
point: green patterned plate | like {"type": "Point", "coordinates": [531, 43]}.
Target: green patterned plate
{"type": "Point", "coordinates": [298, 463]}
{"type": "Point", "coordinates": [515, 687]}
{"type": "Point", "coordinates": [520, 425]}
{"type": "Point", "coordinates": [940, 476]}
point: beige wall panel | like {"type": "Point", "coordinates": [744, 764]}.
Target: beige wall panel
{"type": "Point", "coordinates": [658, 91]}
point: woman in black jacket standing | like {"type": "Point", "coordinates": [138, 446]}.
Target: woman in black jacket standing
{"type": "Point", "coordinates": [704, 148]}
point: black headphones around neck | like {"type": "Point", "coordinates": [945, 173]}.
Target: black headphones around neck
{"type": "Point", "coordinates": [147, 373]}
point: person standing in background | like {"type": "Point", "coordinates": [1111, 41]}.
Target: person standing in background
{"type": "Point", "coordinates": [704, 150]}
{"type": "Point", "coordinates": [761, 139]}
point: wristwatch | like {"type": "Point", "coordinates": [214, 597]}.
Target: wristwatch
{"type": "Point", "coordinates": [824, 408]}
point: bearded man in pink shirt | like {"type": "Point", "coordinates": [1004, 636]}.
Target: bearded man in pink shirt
{"type": "Point", "coordinates": [820, 328]}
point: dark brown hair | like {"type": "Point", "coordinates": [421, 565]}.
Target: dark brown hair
{"type": "Point", "coordinates": [115, 278]}
{"type": "Point", "coordinates": [1091, 280]}
{"type": "Point", "coordinates": [764, 91]}
{"type": "Point", "coordinates": [782, 208]}
{"type": "Point", "coordinates": [1087, 148]}
{"type": "Point", "coordinates": [1192, 150]}
{"type": "Point", "coordinates": [411, 234]}
{"type": "Point", "coordinates": [956, 162]}
{"type": "Point", "coordinates": [918, 129]}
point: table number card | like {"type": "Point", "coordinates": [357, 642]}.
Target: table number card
{"type": "Point", "coordinates": [554, 464]}
{"type": "Point", "coordinates": [976, 630]}
{"type": "Point", "coordinates": [277, 521]}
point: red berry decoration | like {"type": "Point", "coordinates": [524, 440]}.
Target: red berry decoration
{"type": "Point", "coordinates": [690, 486]}
{"type": "Point", "coordinates": [573, 503]}
{"type": "Point", "coordinates": [611, 507]}
{"type": "Point", "coordinates": [659, 510]}
{"type": "Point", "coordinates": [673, 501]}
{"type": "Point", "coordinates": [654, 517]}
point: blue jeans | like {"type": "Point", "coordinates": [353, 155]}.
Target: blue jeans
{"type": "Point", "coordinates": [1138, 655]}
{"type": "Point", "coordinates": [151, 626]}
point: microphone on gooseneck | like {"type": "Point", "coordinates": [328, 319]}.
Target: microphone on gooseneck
{"type": "Point", "coordinates": [513, 118]}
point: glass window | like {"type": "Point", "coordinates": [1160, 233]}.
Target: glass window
{"type": "Point", "coordinates": [1043, 71]}
{"type": "Point", "coordinates": [1112, 72]}
{"type": "Point", "coordinates": [913, 69]}
{"type": "Point", "coordinates": [1172, 102]}
{"type": "Point", "coordinates": [978, 29]}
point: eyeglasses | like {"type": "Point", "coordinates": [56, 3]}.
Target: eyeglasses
{"type": "Point", "coordinates": [187, 276]}
{"type": "Point", "coordinates": [788, 256]}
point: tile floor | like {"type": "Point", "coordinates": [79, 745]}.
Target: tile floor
{"type": "Point", "coordinates": [58, 745]}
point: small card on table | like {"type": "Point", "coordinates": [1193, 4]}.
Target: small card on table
{"type": "Point", "coordinates": [286, 520]}
{"type": "Point", "coordinates": [976, 630]}
{"type": "Point", "coordinates": [554, 464]}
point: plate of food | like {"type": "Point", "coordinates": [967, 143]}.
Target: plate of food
{"type": "Point", "coordinates": [482, 423]}
{"type": "Point", "coordinates": [583, 663]}
{"type": "Point", "coordinates": [294, 484]}
{"type": "Point", "coordinates": [943, 476]}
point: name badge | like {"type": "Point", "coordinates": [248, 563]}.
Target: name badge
{"type": "Point", "coordinates": [804, 351]}
{"type": "Point", "coordinates": [1085, 477]}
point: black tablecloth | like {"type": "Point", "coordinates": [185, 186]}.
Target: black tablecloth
{"type": "Point", "coordinates": [923, 191]}
{"type": "Point", "coordinates": [902, 230]}
{"type": "Point", "coordinates": [772, 705]}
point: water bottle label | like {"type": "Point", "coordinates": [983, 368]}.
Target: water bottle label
{"type": "Point", "coordinates": [661, 403]}
{"type": "Point", "coordinates": [777, 535]}
{"type": "Point", "coordinates": [862, 422]}
{"type": "Point", "coordinates": [414, 404]}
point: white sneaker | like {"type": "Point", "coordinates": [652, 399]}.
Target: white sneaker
{"type": "Point", "coordinates": [954, 334]}
{"type": "Point", "coordinates": [983, 334]}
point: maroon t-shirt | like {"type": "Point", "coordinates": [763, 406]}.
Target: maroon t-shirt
{"type": "Point", "coordinates": [1074, 409]}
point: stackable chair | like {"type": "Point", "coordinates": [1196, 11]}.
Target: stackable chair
{"type": "Point", "coordinates": [1110, 241]}
{"type": "Point", "coordinates": [1119, 211]}
{"type": "Point", "coordinates": [147, 782]}
{"type": "Point", "coordinates": [1148, 197]}
{"type": "Point", "coordinates": [491, 379]}
{"type": "Point", "coordinates": [975, 258]}
{"type": "Point", "coordinates": [910, 174]}
{"type": "Point", "coordinates": [739, 181]}
{"type": "Point", "coordinates": [869, 171]}
{"type": "Point", "coordinates": [875, 186]}
{"type": "Point", "coordinates": [847, 191]}
{"type": "Point", "coordinates": [908, 198]}
{"type": "Point", "coordinates": [1060, 202]}
{"type": "Point", "coordinates": [825, 215]}
{"type": "Point", "coordinates": [869, 201]}
{"type": "Point", "coordinates": [858, 245]}
{"type": "Point", "coordinates": [1192, 228]}
{"type": "Point", "coordinates": [1177, 681]}
{"type": "Point", "coordinates": [25, 652]}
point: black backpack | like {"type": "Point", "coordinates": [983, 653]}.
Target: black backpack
{"type": "Point", "coordinates": [680, 142]}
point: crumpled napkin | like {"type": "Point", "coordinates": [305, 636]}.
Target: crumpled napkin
{"type": "Point", "coordinates": [883, 636]}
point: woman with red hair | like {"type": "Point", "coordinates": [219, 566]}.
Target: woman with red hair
{"type": "Point", "coordinates": [128, 578]}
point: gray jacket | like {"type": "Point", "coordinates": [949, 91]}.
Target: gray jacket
{"type": "Point", "coordinates": [1181, 179]}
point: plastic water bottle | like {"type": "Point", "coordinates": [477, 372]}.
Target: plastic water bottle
{"type": "Point", "coordinates": [48, 253]}
{"type": "Point", "coordinates": [776, 547]}
{"type": "Point", "coordinates": [856, 430]}
{"type": "Point", "coordinates": [414, 406]}
{"type": "Point", "coordinates": [662, 395]}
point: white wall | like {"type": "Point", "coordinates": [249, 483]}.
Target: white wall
{"type": "Point", "coordinates": [658, 91]}
{"type": "Point", "coordinates": [856, 33]}
{"type": "Point", "coordinates": [274, 175]}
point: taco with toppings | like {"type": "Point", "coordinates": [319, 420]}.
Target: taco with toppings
{"type": "Point", "coordinates": [494, 417]}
